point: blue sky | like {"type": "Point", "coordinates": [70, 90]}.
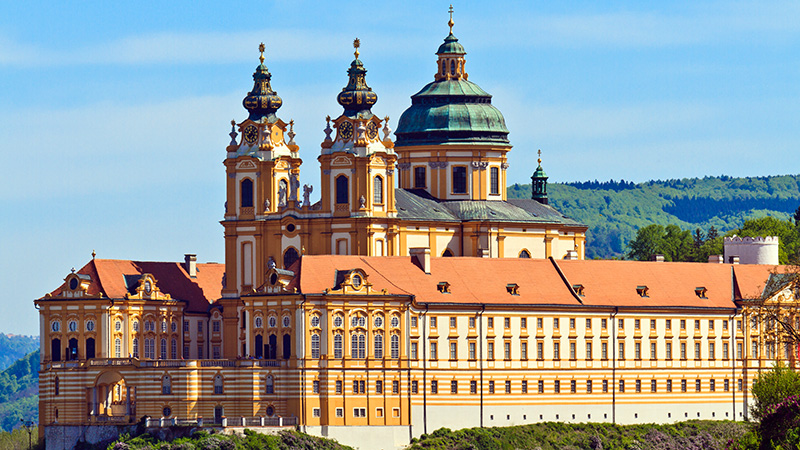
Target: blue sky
{"type": "Point", "coordinates": [114, 116]}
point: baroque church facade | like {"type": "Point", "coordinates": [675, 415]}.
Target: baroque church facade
{"type": "Point", "coordinates": [413, 295]}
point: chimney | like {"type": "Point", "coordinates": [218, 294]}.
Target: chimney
{"type": "Point", "coordinates": [421, 256]}
{"type": "Point", "coordinates": [733, 259]}
{"type": "Point", "coordinates": [190, 265]}
{"type": "Point", "coordinates": [572, 255]}
{"type": "Point", "coordinates": [657, 258]}
{"type": "Point", "coordinates": [715, 259]}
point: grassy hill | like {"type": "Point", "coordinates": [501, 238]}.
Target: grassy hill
{"type": "Point", "coordinates": [19, 392]}
{"type": "Point", "coordinates": [615, 210]}
{"type": "Point", "coordinates": [14, 347]}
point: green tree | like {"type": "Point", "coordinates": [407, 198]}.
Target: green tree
{"type": "Point", "coordinates": [788, 234]}
{"type": "Point", "coordinates": [672, 242]}
{"type": "Point", "coordinates": [772, 387]}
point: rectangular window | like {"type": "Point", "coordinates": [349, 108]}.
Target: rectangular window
{"type": "Point", "coordinates": [638, 385]}
{"type": "Point", "coordinates": [491, 386]}
{"type": "Point", "coordinates": [216, 351]}
{"type": "Point", "coordinates": [459, 180]}
{"type": "Point", "coordinates": [433, 323]}
{"type": "Point", "coordinates": [653, 385]}
{"type": "Point", "coordinates": [524, 386]}
{"type": "Point", "coordinates": [696, 350]}
{"type": "Point", "coordinates": [604, 350]}
{"type": "Point", "coordinates": [697, 385]}
{"type": "Point", "coordinates": [339, 412]}
{"type": "Point", "coordinates": [523, 323]}
{"type": "Point", "coordinates": [473, 387]}
{"type": "Point", "coordinates": [201, 354]}
{"type": "Point", "coordinates": [419, 177]}
{"type": "Point", "coordinates": [508, 386]}
{"type": "Point", "coordinates": [490, 350]}
{"type": "Point", "coordinates": [434, 387]}
{"type": "Point", "coordinates": [413, 322]}
{"type": "Point", "coordinates": [636, 324]}
{"type": "Point", "coordinates": [523, 350]}
{"type": "Point", "coordinates": [433, 350]}
{"type": "Point", "coordinates": [355, 386]}
{"type": "Point", "coordinates": [215, 325]}
{"type": "Point", "coordinates": [494, 180]}
{"type": "Point", "coordinates": [669, 385]}
{"type": "Point", "coordinates": [588, 386]}
{"type": "Point", "coordinates": [739, 351]}
{"type": "Point", "coordinates": [490, 322]}
{"type": "Point", "coordinates": [379, 387]}
{"type": "Point", "coordinates": [739, 325]}
{"type": "Point", "coordinates": [683, 350]}
{"type": "Point", "coordinates": [652, 350]}
{"type": "Point", "coordinates": [683, 385]}
{"type": "Point", "coordinates": [740, 386]}
{"type": "Point", "coordinates": [556, 350]}
{"type": "Point", "coordinates": [588, 324]}
{"type": "Point", "coordinates": [453, 351]}
{"type": "Point", "coordinates": [571, 324]}
{"type": "Point", "coordinates": [637, 350]}
{"type": "Point", "coordinates": [669, 324]}
{"type": "Point", "coordinates": [472, 322]}
{"type": "Point", "coordinates": [539, 323]}
{"type": "Point", "coordinates": [622, 385]}
{"type": "Point", "coordinates": [572, 350]}
{"type": "Point", "coordinates": [573, 386]}
{"type": "Point", "coordinates": [185, 352]}
{"type": "Point", "coordinates": [557, 387]}
{"type": "Point", "coordinates": [185, 326]}
{"type": "Point", "coordinates": [539, 350]}
{"type": "Point", "coordinates": [669, 350]}
{"type": "Point", "coordinates": [315, 386]}
{"type": "Point", "coordinates": [506, 350]}
{"type": "Point", "coordinates": [652, 324]}
{"type": "Point", "coordinates": [605, 385]}
{"type": "Point", "coordinates": [395, 387]}
{"type": "Point", "coordinates": [696, 324]}
{"type": "Point", "coordinates": [413, 350]}
{"type": "Point", "coordinates": [603, 323]}
{"type": "Point", "coordinates": [725, 349]}
{"type": "Point", "coordinates": [472, 350]}
{"type": "Point", "coordinates": [621, 324]}
{"type": "Point", "coordinates": [338, 386]}
{"type": "Point", "coordinates": [712, 385]}
{"type": "Point", "coordinates": [540, 386]}
{"type": "Point", "coordinates": [621, 354]}
{"type": "Point", "coordinates": [414, 387]}
{"type": "Point", "coordinates": [754, 349]}
{"type": "Point", "coordinates": [683, 324]}
{"type": "Point", "coordinates": [711, 351]}
{"type": "Point", "coordinates": [727, 381]}
{"type": "Point", "coordinates": [452, 322]}
{"type": "Point", "coordinates": [507, 323]}
{"type": "Point", "coordinates": [710, 324]}
{"type": "Point", "coordinates": [555, 325]}
{"type": "Point", "coordinates": [199, 327]}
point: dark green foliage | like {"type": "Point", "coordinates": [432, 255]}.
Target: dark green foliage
{"type": "Point", "coordinates": [691, 435]}
{"type": "Point", "coordinates": [788, 233]}
{"type": "Point", "coordinates": [772, 387]}
{"type": "Point", "coordinates": [19, 439]}
{"type": "Point", "coordinates": [614, 211]}
{"type": "Point", "coordinates": [14, 347]}
{"type": "Point", "coordinates": [202, 440]}
{"type": "Point", "coordinates": [19, 392]}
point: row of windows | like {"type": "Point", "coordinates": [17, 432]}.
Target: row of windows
{"type": "Point", "coordinates": [358, 346]}
{"type": "Point", "coordinates": [342, 184]}
{"type": "Point", "coordinates": [459, 178]}
{"type": "Point", "coordinates": [637, 323]}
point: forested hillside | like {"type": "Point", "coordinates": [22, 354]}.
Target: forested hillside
{"type": "Point", "coordinates": [14, 347]}
{"type": "Point", "coordinates": [614, 210]}
{"type": "Point", "coordinates": [19, 392]}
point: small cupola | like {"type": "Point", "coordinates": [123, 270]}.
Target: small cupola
{"type": "Point", "coordinates": [451, 63]}
{"type": "Point", "coordinates": [262, 102]}
{"type": "Point", "coordinates": [357, 98]}
{"type": "Point", "coordinates": [539, 183]}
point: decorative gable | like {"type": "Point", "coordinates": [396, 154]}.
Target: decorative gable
{"type": "Point", "coordinates": [146, 289]}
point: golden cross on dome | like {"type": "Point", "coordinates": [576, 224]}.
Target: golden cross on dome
{"type": "Point", "coordinates": [261, 48]}
{"type": "Point", "coordinates": [356, 45]}
{"type": "Point", "coordinates": [450, 22]}
{"type": "Point", "coordinates": [540, 156]}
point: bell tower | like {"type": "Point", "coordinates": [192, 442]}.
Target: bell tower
{"type": "Point", "coordinates": [539, 183]}
{"type": "Point", "coordinates": [262, 177]}
{"type": "Point", "coordinates": [357, 165]}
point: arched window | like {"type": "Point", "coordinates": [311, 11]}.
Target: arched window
{"type": "Point", "coordinates": [395, 346]}
{"type": "Point", "coordinates": [90, 348]}
{"type": "Point", "coordinates": [163, 353]}
{"type": "Point", "coordinates": [56, 386]}
{"type": "Point", "coordinates": [273, 348]}
{"type": "Point", "coordinates": [218, 384]}
{"type": "Point", "coordinates": [358, 344]}
{"type": "Point", "coordinates": [447, 253]}
{"type": "Point", "coordinates": [55, 349]}
{"type": "Point", "coordinates": [289, 257]}
{"type": "Point", "coordinates": [173, 350]}
{"type": "Point", "coordinates": [149, 348]}
{"type": "Point", "coordinates": [342, 196]}
{"type": "Point", "coordinates": [287, 346]}
{"type": "Point", "coordinates": [337, 346]}
{"type": "Point", "coordinates": [315, 346]}
{"type": "Point", "coordinates": [524, 254]}
{"type": "Point", "coordinates": [378, 346]}
{"type": "Point", "coordinates": [259, 348]}
{"type": "Point", "coordinates": [270, 385]}
{"type": "Point", "coordinates": [166, 385]}
{"type": "Point", "coordinates": [117, 348]}
{"type": "Point", "coordinates": [354, 346]}
{"type": "Point", "coordinates": [452, 67]}
{"type": "Point", "coordinates": [377, 191]}
{"type": "Point", "coordinates": [444, 67]}
{"type": "Point", "coordinates": [494, 180]}
{"type": "Point", "coordinates": [135, 347]}
{"type": "Point", "coordinates": [72, 349]}
{"type": "Point", "coordinates": [246, 192]}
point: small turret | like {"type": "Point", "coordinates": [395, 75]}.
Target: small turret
{"type": "Point", "coordinates": [357, 98]}
{"type": "Point", "coordinates": [262, 101]}
{"type": "Point", "coordinates": [539, 183]}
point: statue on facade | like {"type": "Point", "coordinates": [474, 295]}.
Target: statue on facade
{"type": "Point", "coordinates": [294, 185]}
{"type": "Point", "coordinates": [307, 190]}
{"type": "Point", "coordinates": [282, 194]}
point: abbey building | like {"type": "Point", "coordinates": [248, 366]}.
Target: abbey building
{"type": "Point", "coordinates": [413, 295]}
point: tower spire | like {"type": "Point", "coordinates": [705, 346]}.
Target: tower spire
{"type": "Point", "coordinates": [450, 22]}
{"type": "Point", "coordinates": [539, 183]}
{"type": "Point", "coordinates": [357, 98]}
{"type": "Point", "coordinates": [262, 101]}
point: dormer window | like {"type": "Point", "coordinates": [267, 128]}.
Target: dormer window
{"type": "Point", "coordinates": [512, 288]}
{"type": "Point", "coordinates": [642, 291]}
{"type": "Point", "coordinates": [578, 288]}
{"type": "Point", "coordinates": [700, 291]}
{"type": "Point", "coordinates": [443, 287]}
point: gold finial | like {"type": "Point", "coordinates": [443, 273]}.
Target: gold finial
{"type": "Point", "coordinates": [386, 119]}
{"type": "Point", "coordinates": [356, 45]}
{"type": "Point", "coordinates": [261, 48]}
{"type": "Point", "coordinates": [540, 157]}
{"type": "Point", "coordinates": [93, 254]}
{"type": "Point", "coordinates": [233, 122]}
{"type": "Point", "coordinates": [450, 22]}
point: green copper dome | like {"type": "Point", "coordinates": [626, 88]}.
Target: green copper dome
{"type": "Point", "coordinates": [451, 109]}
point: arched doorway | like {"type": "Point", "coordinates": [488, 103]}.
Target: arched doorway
{"type": "Point", "coordinates": [272, 348]}
{"type": "Point", "coordinates": [111, 396]}
{"type": "Point", "coordinates": [259, 349]}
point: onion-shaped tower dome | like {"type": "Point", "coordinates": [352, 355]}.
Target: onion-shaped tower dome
{"type": "Point", "coordinates": [262, 101]}
{"type": "Point", "coordinates": [357, 98]}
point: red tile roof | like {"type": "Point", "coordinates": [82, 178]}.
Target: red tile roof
{"type": "Point", "coordinates": [109, 277]}
{"type": "Point", "coordinates": [485, 280]}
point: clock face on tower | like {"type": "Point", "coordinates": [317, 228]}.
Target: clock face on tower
{"type": "Point", "coordinates": [372, 130]}
{"type": "Point", "coordinates": [250, 134]}
{"type": "Point", "coordinates": [346, 130]}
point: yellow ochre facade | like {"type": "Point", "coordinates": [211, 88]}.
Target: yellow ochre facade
{"type": "Point", "coordinates": [412, 295]}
